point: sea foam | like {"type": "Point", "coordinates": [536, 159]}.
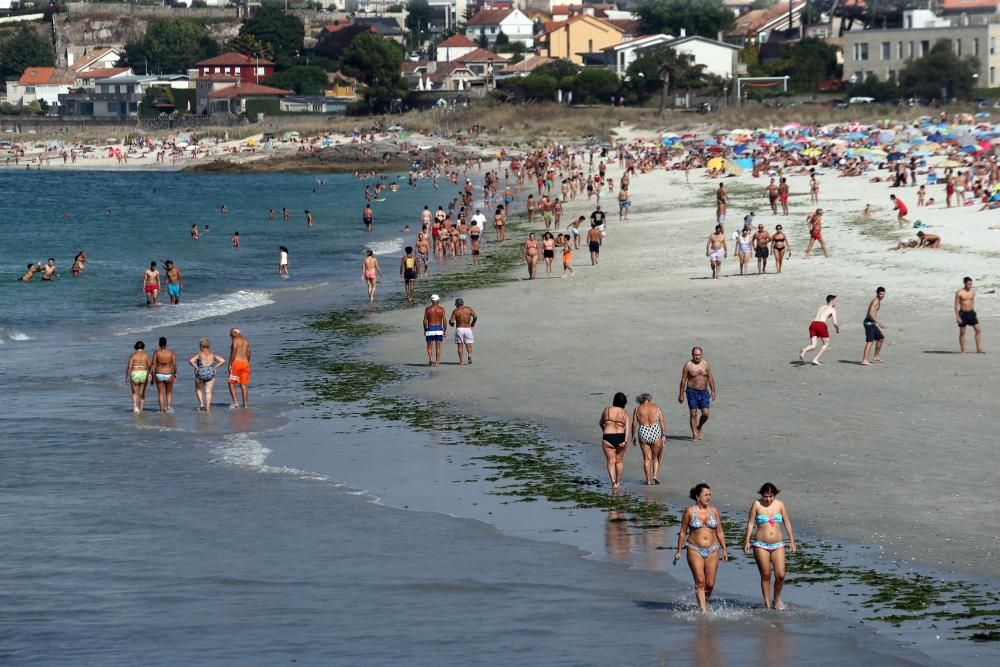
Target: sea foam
{"type": "Point", "coordinates": [192, 311]}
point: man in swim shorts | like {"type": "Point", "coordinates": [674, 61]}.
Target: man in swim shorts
{"type": "Point", "coordinates": [175, 282]}
{"type": "Point", "coordinates": [151, 285]}
{"type": "Point", "coordinates": [464, 320]}
{"type": "Point", "coordinates": [698, 386]}
{"type": "Point", "coordinates": [239, 367]}
{"type": "Point", "coordinates": [873, 334]}
{"type": "Point", "coordinates": [594, 241]}
{"type": "Point", "coordinates": [716, 250]}
{"type": "Point", "coordinates": [815, 223]}
{"type": "Point", "coordinates": [965, 315]}
{"type": "Point", "coordinates": [761, 244]}
{"type": "Point", "coordinates": [434, 330]}
{"type": "Point", "coordinates": [818, 329]}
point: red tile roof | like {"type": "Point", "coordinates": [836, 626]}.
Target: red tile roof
{"type": "Point", "coordinates": [90, 58]}
{"type": "Point", "coordinates": [233, 58]}
{"type": "Point", "coordinates": [218, 77]}
{"type": "Point", "coordinates": [963, 5]}
{"type": "Point", "coordinates": [489, 16]}
{"type": "Point", "coordinates": [247, 90]}
{"type": "Point", "coordinates": [480, 56]}
{"type": "Point", "coordinates": [46, 76]}
{"type": "Point", "coordinates": [627, 26]}
{"type": "Point", "coordinates": [103, 73]}
{"type": "Point", "coordinates": [457, 40]}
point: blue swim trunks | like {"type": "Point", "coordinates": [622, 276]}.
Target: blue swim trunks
{"type": "Point", "coordinates": [698, 399]}
{"type": "Point", "coordinates": [434, 333]}
{"type": "Point", "coordinates": [174, 290]}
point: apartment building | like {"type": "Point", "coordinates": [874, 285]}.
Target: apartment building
{"type": "Point", "coordinates": [885, 53]}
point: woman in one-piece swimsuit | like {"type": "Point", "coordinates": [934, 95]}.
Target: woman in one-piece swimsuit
{"type": "Point", "coordinates": [650, 433]}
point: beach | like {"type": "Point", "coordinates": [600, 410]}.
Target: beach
{"type": "Point", "coordinates": [364, 490]}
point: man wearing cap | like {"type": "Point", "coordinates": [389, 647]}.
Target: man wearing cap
{"type": "Point", "coordinates": [434, 330]}
{"type": "Point", "coordinates": [597, 218]}
{"type": "Point", "coordinates": [463, 319]}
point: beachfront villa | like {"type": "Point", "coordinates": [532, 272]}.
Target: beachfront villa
{"type": "Point", "coordinates": [248, 69]}
{"type": "Point", "coordinates": [488, 23]}
{"type": "Point", "coordinates": [116, 97]}
{"type": "Point", "coordinates": [233, 99]}
{"type": "Point", "coordinates": [44, 84]}
{"type": "Point", "coordinates": [579, 35]}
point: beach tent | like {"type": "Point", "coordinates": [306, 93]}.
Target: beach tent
{"type": "Point", "coordinates": [733, 168]}
{"type": "Point", "coordinates": [716, 163]}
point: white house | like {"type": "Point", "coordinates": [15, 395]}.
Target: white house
{"type": "Point", "coordinates": [40, 83]}
{"type": "Point", "coordinates": [621, 55]}
{"type": "Point", "coordinates": [454, 48]}
{"type": "Point", "coordinates": [489, 23]}
{"type": "Point", "coordinates": [719, 58]}
{"type": "Point", "coordinates": [92, 60]}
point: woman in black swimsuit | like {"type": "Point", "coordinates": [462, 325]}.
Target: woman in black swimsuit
{"type": "Point", "coordinates": [779, 243]}
{"type": "Point", "coordinates": [616, 427]}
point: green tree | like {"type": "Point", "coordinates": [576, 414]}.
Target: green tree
{"type": "Point", "coordinates": [502, 42]}
{"type": "Point", "coordinates": [170, 45]}
{"type": "Point", "coordinates": [25, 49]}
{"type": "Point", "coordinates": [697, 17]}
{"type": "Point", "coordinates": [418, 17]}
{"type": "Point", "coordinates": [303, 79]}
{"type": "Point", "coordinates": [559, 69]}
{"type": "Point", "coordinates": [534, 87]}
{"type": "Point", "coordinates": [595, 85]}
{"type": "Point", "coordinates": [807, 63]}
{"type": "Point", "coordinates": [271, 25]}
{"type": "Point", "coordinates": [660, 70]}
{"type": "Point", "coordinates": [939, 74]}
{"type": "Point", "coordinates": [376, 62]}
{"type": "Point", "coordinates": [881, 91]}
{"type": "Point", "coordinates": [249, 45]}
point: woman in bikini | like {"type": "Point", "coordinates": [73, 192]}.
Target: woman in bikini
{"type": "Point", "coordinates": [205, 364]}
{"type": "Point", "coordinates": [768, 515]}
{"type": "Point", "coordinates": [779, 244]}
{"type": "Point", "coordinates": [530, 255]}
{"type": "Point", "coordinates": [650, 434]}
{"type": "Point", "coordinates": [137, 376]}
{"type": "Point", "coordinates": [369, 270]}
{"type": "Point", "coordinates": [616, 429]}
{"type": "Point", "coordinates": [548, 252]}
{"type": "Point", "coordinates": [701, 534]}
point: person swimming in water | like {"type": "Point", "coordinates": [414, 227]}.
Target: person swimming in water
{"type": "Point", "coordinates": [767, 516]}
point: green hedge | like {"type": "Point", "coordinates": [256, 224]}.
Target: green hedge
{"type": "Point", "coordinates": [268, 106]}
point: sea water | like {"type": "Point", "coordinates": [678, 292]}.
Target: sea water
{"type": "Point", "coordinates": [255, 536]}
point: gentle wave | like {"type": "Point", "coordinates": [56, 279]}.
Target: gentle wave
{"type": "Point", "coordinates": [240, 450]}
{"type": "Point", "coordinates": [192, 311]}
{"type": "Point", "coordinates": [12, 334]}
{"type": "Point", "coordinates": [389, 247]}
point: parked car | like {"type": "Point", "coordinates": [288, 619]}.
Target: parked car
{"type": "Point", "coordinates": [861, 100]}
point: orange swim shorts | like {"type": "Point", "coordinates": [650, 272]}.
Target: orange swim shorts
{"type": "Point", "coordinates": [239, 372]}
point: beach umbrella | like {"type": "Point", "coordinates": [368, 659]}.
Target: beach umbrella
{"type": "Point", "coordinates": [792, 146]}
{"type": "Point", "coordinates": [971, 149]}
{"type": "Point", "coordinates": [895, 156]}
{"type": "Point", "coordinates": [902, 148]}
{"type": "Point", "coordinates": [716, 163]}
{"type": "Point", "coordinates": [949, 164]}
{"type": "Point", "coordinates": [711, 142]}
{"type": "Point", "coordinates": [854, 136]}
{"type": "Point", "coordinates": [715, 150]}
{"type": "Point", "coordinates": [935, 136]}
{"type": "Point", "coordinates": [733, 168]}
{"type": "Point", "coordinates": [922, 153]}
{"type": "Point", "coordinates": [885, 136]}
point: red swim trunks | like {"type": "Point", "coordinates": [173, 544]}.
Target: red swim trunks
{"type": "Point", "coordinates": [819, 330]}
{"type": "Point", "coordinates": [816, 234]}
{"type": "Point", "coordinates": [151, 287]}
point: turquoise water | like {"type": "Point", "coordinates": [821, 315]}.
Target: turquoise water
{"type": "Point", "coordinates": [176, 539]}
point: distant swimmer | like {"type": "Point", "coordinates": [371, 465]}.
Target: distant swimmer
{"type": "Point", "coordinates": [698, 386]}
{"type": "Point", "coordinates": [768, 516]}
{"type": "Point", "coordinates": [309, 218]}
{"type": "Point", "coordinates": [873, 334]}
{"type": "Point", "coordinates": [370, 271]}
{"type": "Point", "coordinates": [164, 373]}
{"type": "Point", "coordinates": [368, 217]}
{"type": "Point", "coordinates": [137, 376]}
{"type": "Point", "coordinates": [194, 232]}
{"type": "Point", "coordinates": [965, 315]}
{"type": "Point", "coordinates": [239, 368]}
{"type": "Point", "coordinates": [282, 260]}
{"type": "Point", "coordinates": [224, 209]}
{"type": "Point", "coordinates": [32, 270]}
{"type": "Point", "coordinates": [702, 536]}
{"type": "Point", "coordinates": [79, 263]}
{"type": "Point", "coordinates": [818, 329]}
{"type": "Point", "coordinates": [435, 328]}
{"type": "Point", "coordinates": [270, 214]}
{"type": "Point", "coordinates": [236, 239]}
{"type": "Point", "coordinates": [716, 250]}
{"type": "Point", "coordinates": [464, 320]}
{"type": "Point", "coordinates": [49, 270]}
{"type": "Point", "coordinates": [285, 214]}
{"type": "Point", "coordinates": [175, 282]}
{"type": "Point", "coordinates": [151, 285]}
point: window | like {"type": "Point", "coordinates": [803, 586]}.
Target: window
{"type": "Point", "coordinates": [892, 75]}
{"type": "Point", "coordinates": [886, 51]}
{"type": "Point", "coordinates": [993, 77]}
{"type": "Point", "coordinates": [958, 47]}
{"type": "Point", "coordinates": [925, 47]}
{"type": "Point", "coordinates": [227, 70]}
{"type": "Point", "coordinates": [29, 90]}
{"type": "Point", "coordinates": [869, 74]}
{"type": "Point", "coordinates": [975, 46]}
{"type": "Point", "coordinates": [899, 50]}
{"type": "Point", "coordinates": [218, 70]}
{"type": "Point", "coordinates": [911, 50]}
{"type": "Point", "coordinates": [590, 46]}
{"type": "Point", "coordinates": [861, 51]}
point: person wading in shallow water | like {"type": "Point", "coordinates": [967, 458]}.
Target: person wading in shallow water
{"type": "Point", "coordinates": [701, 535]}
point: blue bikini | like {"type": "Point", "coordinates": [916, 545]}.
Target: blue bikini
{"type": "Point", "coordinates": [696, 523]}
{"type": "Point", "coordinates": [775, 520]}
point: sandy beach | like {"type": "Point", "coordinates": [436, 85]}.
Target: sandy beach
{"type": "Point", "coordinates": [875, 455]}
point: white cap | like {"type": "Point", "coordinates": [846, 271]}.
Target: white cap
{"type": "Point", "coordinates": [435, 297]}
